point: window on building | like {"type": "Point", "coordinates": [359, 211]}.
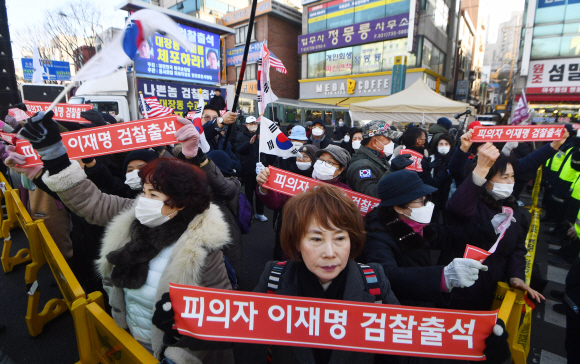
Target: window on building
{"type": "Point", "coordinates": [316, 65]}
{"type": "Point", "coordinates": [250, 74]}
{"type": "Point", "coordinates": [339, 62]}
{"type": "Point", "coordinates": [186, 6]}
{"type": "Point", "coordinates": [242, 34]}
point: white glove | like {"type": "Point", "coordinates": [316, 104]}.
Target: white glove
{"type": "Point", "coordinates": [462, 272]}
{"type": "Point", "coordinates": [508, 147]}
{"type": "Point", "coordinates": [259, 167]}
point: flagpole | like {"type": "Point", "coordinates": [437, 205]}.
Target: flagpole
{"type": "Point", "coordinates": [61, 95]}
{"type": "Point", "coordinates": [143, 103]}
{"type": "Point", "coordinates": [242, 67]}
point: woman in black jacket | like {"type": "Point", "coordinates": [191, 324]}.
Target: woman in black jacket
{"type": "Point", "coordinates": [484, 196]}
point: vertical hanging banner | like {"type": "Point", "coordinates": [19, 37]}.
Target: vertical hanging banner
{"type": "Point", "coordinates": [223, 315]}
{"type": "Point", "coordinates": [399, 74]}
{"type": "Point", "coordinates": [108, 139]}
{"type": "Point", "coordinates": [293, 184]}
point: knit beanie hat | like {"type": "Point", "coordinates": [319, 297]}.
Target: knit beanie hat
{"type": "Point", "coordinates": [444, 122]}
{"type": "Point", "coordinates": [146, 155]}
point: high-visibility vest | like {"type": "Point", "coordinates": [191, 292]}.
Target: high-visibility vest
{"type": "Point", "coordinates": [567, 173]}
{"type": "Point", "coordinates": [555, 162]}
{"type": "Point", "coordinates": [576, 188]}
{"type": "Point", "coordinates": [577, 225]}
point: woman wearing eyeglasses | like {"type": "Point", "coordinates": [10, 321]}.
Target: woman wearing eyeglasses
{"type": "Point", "coordinates": [332, 162]}
{"type": "Point", "coordinates": [400, 237]}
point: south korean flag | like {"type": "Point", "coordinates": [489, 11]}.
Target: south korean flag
{"type": "Point", "coordinates": [273, 141]}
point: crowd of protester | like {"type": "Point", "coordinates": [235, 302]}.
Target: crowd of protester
{"type": "Point", "coordinates": [177, 214]}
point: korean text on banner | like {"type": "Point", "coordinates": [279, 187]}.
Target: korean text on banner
{"type": "Point", "coordinates": [110, 139]}
{"type": "Point", "coordinates": [62, 112]}
{"type": "Point", "coordinates": [417, 158]}
{"type": "Point", "coordinates": [518, 133]}
{"type": "Point", "coordinates": [293, 184]}
{"type": "Point", "coordinates": [18, 114]}
{"type": "Point", "coordinates": [221, 315]}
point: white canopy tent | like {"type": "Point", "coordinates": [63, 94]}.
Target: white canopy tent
{"type": "Point", "coordinates": [416, 104]}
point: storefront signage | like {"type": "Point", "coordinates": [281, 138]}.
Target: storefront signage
{"type": "Point", "coordinates": [462, 89]}
{"type": "Point", "coordinates": [179, 96]}
{"type": "Point", "coordinates": [163, 58]}
{"type": "Point", "coordinates": [554, 76]}
{"type": "Point", "coordinates": [250, 87]}
{"type": "Point", "coordinates": [355, 86]}
{"type": "Point", "coordinates": [51, 70]}
{"type": "Point", "coordinates": [392, 27]}
{"type": "Point", "coordinates": [234, 56]}
{"type": "Point", "coordinates": [244, 14]}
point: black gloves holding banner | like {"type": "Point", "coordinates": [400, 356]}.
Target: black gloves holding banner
{"type": "Point", "coordinates": [401, 161]}
{"type": "Point", "coordinates": [497, 349]}
{"type": "Point", "coordinates": [95, 117]}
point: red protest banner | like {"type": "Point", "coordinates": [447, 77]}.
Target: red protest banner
{"type": "Point", "coordinates": [18, 114]}
{"type": "Point", "coordinates": [221, 315]}
{"type": "Point", "coordinates": [62, 112]}
{"type": "Point", "coordinates": [293, 184]}
{"type": "Point", "coordinates": [416, 158]}
{"type": "Point", "coordinates": [475, 253]}
{"type": "Point", "coordinates": [518, 133]}
{"type": "Point", "coordinates": [110, 139]}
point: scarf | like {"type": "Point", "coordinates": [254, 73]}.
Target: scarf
{"type": "Point", "coordinates": [316, 142]}
{"type": "Point", "coordinates": [310, 286]}
{"type": "Point", "coordinates": [131, 261]}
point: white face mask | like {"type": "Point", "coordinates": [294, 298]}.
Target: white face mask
{"type": "Point", "coordinates": [322, 171]}
{"type": "Point", "coordinates": [252, 128]}
{"type": "Point", "coordinates": [303, 165]}
{"type": "Point", "coordinates": [346, 138]}
{"type": "Point", "coordinates": [317, 132]}
{"type": "Point", "coordinates": [133, 180]}
{"type": "Point", "coordinates": [340, 123]}
{"type": "Point", "coordinates": [356, 144]}
{"type": "Point", "coordinates": [388, 148]}
{"type": "Point", "coordinates": [501, 190]}
{"type": "Point", "coordinates": [297, 144]}
{"type": "Point", "coordinates": [423, 214]}
{"type": "Point", "coordinates": [148, 212]}
{"type": "Point", "coordinates": [443, 150]}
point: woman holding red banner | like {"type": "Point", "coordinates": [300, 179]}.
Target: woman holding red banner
{"type": "Point", "coordinates": [170, 233]}
{"type": "Point", "coordinates": [484, 195]}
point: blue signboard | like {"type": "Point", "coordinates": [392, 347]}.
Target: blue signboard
{"type": "Point", "coordinates": [179, 96]}
{"type": "Point", "coordinates": [234, 56]}
{"type": "Point", "coordinates": [163, 58]}
{"type": "Point", "coordinates": [550, 3]}
{"type": "Point", "coordinates": [53, 70]}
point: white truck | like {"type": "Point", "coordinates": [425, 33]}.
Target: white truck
{"type": "Point", "coordinates": [117, 94]}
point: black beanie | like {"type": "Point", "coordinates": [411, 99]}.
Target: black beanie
{"type": "Point", "coordinates": [146, 155]}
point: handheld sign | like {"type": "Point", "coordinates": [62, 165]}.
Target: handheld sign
{"type": "Point", "coordinates": [475, 253]}
{"type": "Point", "coordinates": [222, 315]}
{"type": "Point", "coordinates": [416, 157]}
{"type": "Point", "coordinates": [517, 133]}
{"type": "Point", "coordinates": [109, 139]}
{"type": "Point", "coordinates": [293, 184]}
{"type": "Point", "coordinates": [479, 254]}
{"type": "Point", "coordinates": [62, 112]}
{"type": "Point", "coordinates": [18, 114]}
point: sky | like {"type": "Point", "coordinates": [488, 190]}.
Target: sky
{"type": "Point", "coordinates": [20, 13]}
{"type": "Point", "coordinates": [501, 11]}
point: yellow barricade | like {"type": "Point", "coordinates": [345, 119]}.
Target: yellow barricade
{"type": "Point", "coordinates": [23, 255]}
{"type": "Point", "coordinates": [100, 340]}
{"type": "Point", "coordinates": [510, 302]}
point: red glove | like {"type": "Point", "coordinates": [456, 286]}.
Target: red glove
{"type": "Point", "coordinates": [188, 136]}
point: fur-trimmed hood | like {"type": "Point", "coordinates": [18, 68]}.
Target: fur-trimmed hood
{"type": "Point", "coordinates": [206, 233]}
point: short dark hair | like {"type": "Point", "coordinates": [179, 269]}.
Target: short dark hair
{"type": "Point", "coordinates": [445, 137]}
{"type": "Point", "coordinates": [327, 205]}
{"type": "Point", "coordinates": [411, 135]}
{"type": "Point", "coordinates": [185, 184]}
{"type": "Point", "coordinates": [207, 107]}
{"type": "Point", "coordinates": [499, 166]}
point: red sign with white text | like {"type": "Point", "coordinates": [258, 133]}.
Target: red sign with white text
{"type": "Point", "coordinates": [416, 158]}
{"type": "Point", "coordinates": [518, 133]}
{"type": "Point", "coordinates": [62, 112]}
{"type": "Point", "coordinates": [475, 253]}
{"type": "Point", "coordinates": [222, 315]}
{"type": "Point", "coordinates": [110, 139]}
{"type": "Point", "coordinates": [293, 184]}
{"type": "Point", "coordinates": [18, 114]}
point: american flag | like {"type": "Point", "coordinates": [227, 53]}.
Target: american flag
{"type": "Point", "coordinates": [154, 108]}
{"type": "Point", "coordinates": [277, 64]}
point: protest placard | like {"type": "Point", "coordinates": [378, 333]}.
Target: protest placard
{"type": "Point", "coordinates": [293, 184]}
{"type": "Point", "coordinates": [416, 157]}
{"type": "Point", "coordinates": [18, 114]}
{"type": "Point", "coordinates": [518, 133]}
{"type": "Point", "coordinates": [62, 112]}
{"type": "Point", "coordinates": [222, 315]}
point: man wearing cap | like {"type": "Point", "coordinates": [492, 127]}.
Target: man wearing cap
{"type": "Point", "coordinates": [317, 137]}
{"type": "Point", "coordinates": [248, 146]}
{"type": "Point", "coordinates": [371, 161]}
{"type": "Point", "coordinates": [217, 102]}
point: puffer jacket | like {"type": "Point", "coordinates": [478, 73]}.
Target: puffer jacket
{"type": "Point", "coordinates": [196, 259]}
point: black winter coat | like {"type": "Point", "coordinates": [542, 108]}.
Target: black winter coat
{"type": "Point", "coordinates": [217, 103]}
{"type": "Point", "coordinates": [469, 204]}
{"type": "Point", "coordinates": [249, 153]}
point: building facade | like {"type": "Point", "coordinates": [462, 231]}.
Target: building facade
{"type": "Point", "coordinates": [550, 62]}
{"type": "Point", "coordinates": [348, 47]}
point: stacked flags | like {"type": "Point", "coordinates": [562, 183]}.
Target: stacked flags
{"type": "Point", "coordinates": [154, 108]}
{"type": "Point", "coordinates": [265, 93]}
{"type": "Point", "coordinates": [276, 63]}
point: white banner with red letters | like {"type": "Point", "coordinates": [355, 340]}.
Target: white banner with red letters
{"type": "Point", "coordinates": [518, 133]}
{"type": "Point", "coordinates": [222, 315]}
{"type": "Point", "coordinates": [416, 157]}
{"type": "Point", "coordinates": [62, 112]}
{"type": "Point", "coordinates": [108, 139]}
{"type": "Point", "coordinates": [293, 184]}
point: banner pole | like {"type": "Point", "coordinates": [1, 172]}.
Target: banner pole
{"type": "Point", "coordinates": [242, 67]}
{"type": "Point", "coordinates": [61, 95]}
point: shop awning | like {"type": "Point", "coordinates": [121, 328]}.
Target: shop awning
{"type": "Point", "coordinates": [551, 98]}
{"type": "Point", "coordinates": [342, 101]}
